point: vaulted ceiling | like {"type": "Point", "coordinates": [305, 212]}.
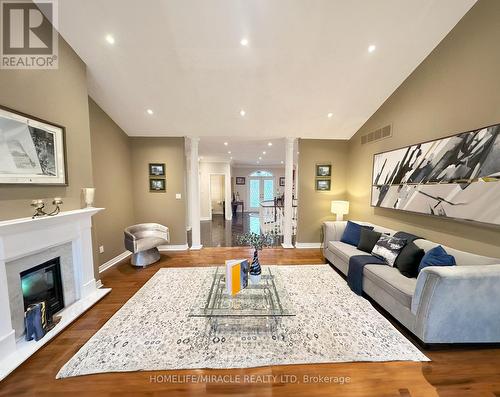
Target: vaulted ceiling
{"type": "Point", "coordinates": [303, 60]}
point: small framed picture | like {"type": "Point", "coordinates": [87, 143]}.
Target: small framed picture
{"type": "Point", "coordinates": [323, 184]}
{"type": "Point", "coordinates": [157, 169]}
{"type": "Point", "coordinates": [282, 181]}
{"type": "Point", "coordinates": [323, 170]}
{"type": "Point", "coordinates": [240, 180]}
{"type": "Point", "coordinates": [157, 185]}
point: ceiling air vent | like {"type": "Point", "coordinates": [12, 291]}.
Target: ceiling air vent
{"type": "Point", "coordinates": [377, 135]}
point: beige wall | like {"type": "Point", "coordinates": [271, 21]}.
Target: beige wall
{"type": "Point", "coordinates": [156, 207]}
{"type": "Point", "coordinates": [58, 96]}
{"type": "Point", "coordinates": [314, 206]}
{"type": "Point", "coordinates": [456, 89]}
{"type": "Point", "coordinates": [111, 162]}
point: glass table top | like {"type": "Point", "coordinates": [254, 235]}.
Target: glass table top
{"type": "Point", "coordinates": [265, 299]}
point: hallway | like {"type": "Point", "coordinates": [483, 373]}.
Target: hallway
{"type": "Point", "coordinates": [221, 233]}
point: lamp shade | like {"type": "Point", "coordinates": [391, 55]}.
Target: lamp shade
{"type": "Point", "coordinates": [340, 207]}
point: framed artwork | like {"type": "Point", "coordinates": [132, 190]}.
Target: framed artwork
{"type": "Point", "coordinates": [323, 170]}
{"type": "Point", "coordinates": [157, 169]}
{"type": "Point", "coordinates": [455, 177]}
{"type": "Point", "coordinates": [282, 181]}
{"type": "Point", "coordinates": [240, 180]}
{"type": "Point", "coordinates": [323, 184]}
{"type": "Point", "coordinates": [157, 185]}
{"type": "Point", "coordinates": [32, 151]}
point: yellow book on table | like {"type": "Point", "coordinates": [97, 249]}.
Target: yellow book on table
{"type": "Point", "coordinates": [236, 275]}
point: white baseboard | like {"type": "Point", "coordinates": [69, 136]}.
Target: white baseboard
{"type": "Point", "coordinates": [196, 247]}
{"type": "Point", "coordinates": [179, 247]}
{"type": "Point", "coordinates": [205, 218]}
{"type": "Point", "coordinates": [114, 261]}
{"type": "Point", "coordinates": [307, 245]}
{"type": "Point", "coordinates": [98, 284]}
{"type": "Point", "coordinates": [287, 246]}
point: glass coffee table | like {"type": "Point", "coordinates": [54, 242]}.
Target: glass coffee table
{"type": "Point", "coordinates": [257, 308]}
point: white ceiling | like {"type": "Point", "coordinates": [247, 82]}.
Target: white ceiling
{"type": "Point", "coordinates": [244, 151]}
{"type": "Point", "coordinates": [305, 58]}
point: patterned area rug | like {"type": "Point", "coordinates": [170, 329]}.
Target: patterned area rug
{"type": "Point", "coordinates": [153, 330]}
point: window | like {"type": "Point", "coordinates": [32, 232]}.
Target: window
{"type": "Point", "coordinates": [261, 173]}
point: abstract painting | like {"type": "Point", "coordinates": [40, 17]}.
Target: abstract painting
{"type": "Point", "coordinates": [31, 151]}
{"type": "Point", "coordinates": [456, 177]}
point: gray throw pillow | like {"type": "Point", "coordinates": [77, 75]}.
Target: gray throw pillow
{"type": "Point", "coordinates": [388, 248]}
{"type": "Point", "coordinates": [368, 239]}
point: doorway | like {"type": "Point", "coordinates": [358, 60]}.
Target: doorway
{"type": "Point", "coordinates": [260, 189]}
{"type": "Point", "coordinates": [217, 191]}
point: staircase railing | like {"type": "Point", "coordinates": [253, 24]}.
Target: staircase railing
{"type": "Point", "coordinates": [271, 217]}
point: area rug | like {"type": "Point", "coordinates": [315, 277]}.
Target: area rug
{"type": "Point", "coordinates": [153, 330]}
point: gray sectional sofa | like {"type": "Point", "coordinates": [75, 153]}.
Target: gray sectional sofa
{"type": "Point", "coordinates": [456, 304]}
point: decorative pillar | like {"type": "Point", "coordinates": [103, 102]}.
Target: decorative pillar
{"type": "Point", "coordinates": [187, 152]}
{"type": "Point", "coordinates": [287, 221]}
{"type": "Point", "coordinates": [227, 190]}
{"type": "Point", "coordinates": [194, 193]}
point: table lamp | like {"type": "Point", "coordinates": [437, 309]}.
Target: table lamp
{"type": "Point", "coordinates": [340, 208]}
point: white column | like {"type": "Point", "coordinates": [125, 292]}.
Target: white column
{"type": "Point", "coordinates": [227, 190]}
{"type": "Point", "coordinates": [194, 192]}
{"type": "Point", "coordinates": [187, 149]}
{"type": "Point", "coordinates": [287, 221]}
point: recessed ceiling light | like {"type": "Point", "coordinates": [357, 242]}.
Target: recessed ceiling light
{"type": "Point", "coordinates": [242, 112]}
{"type": "Point", "coordinates": [230, 158]}
{"type": "Point", "coordinates": [264, 152]}
{"type": "Point", "coordinates": [330, 115]}
{"type": "Point", "coordinates": [229, 152]}
{"type": "Point", "coordinates": [372, 48]}
{"type": "Point", "coordinates": [244, 41]}
{"type": "Point", "coordinates": [225, 143]}
{"type": "Point", "coordinates": [282, 161]}
{"type": "Point", "coordinates": [110, 39]}
{"type": "Point", "coordinates": [149, 111]}
{"type": "Point", "coordinates": [260, 158]}
{"type": "Point", "coordinates": [269, 144]}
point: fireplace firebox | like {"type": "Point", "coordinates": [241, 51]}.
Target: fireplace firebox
{"type": "Point", "coordinates": [44, 283]}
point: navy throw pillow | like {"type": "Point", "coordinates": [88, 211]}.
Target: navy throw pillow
{"type": "Point", "coordinates": [352, 233]}
{"type": "Point", "coordinates": [436, 257]}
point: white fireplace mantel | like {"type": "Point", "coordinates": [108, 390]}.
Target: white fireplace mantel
{"type": "Point", "coordinates": [23, 237]}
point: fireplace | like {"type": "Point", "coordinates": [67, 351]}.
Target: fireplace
{"type": "Point", "coordinates": [44, 283]}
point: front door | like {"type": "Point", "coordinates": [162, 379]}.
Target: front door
{"type": "Point", "coordinates": [260, 189]}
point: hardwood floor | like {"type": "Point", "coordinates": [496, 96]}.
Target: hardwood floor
{"type": "Point", "coordinates": [452, 372]}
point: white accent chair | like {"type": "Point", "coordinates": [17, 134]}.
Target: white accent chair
{"type": "Point", "coordinates": [143, 241]}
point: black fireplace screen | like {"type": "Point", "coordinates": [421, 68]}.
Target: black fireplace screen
{"type": "Point", "coordinates": [43, 283]}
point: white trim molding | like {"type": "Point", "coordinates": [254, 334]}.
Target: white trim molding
{"type": "Point", "coordinates": [307, 245]}
{"type": "Point", "coordinates": [205, 218]}
{"type": "Point", "coordinates": [179, 247]}
{"type": "Point", "coordinates": [196, 247]}
{"type": "Point", "coordinates": [113, 261]}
